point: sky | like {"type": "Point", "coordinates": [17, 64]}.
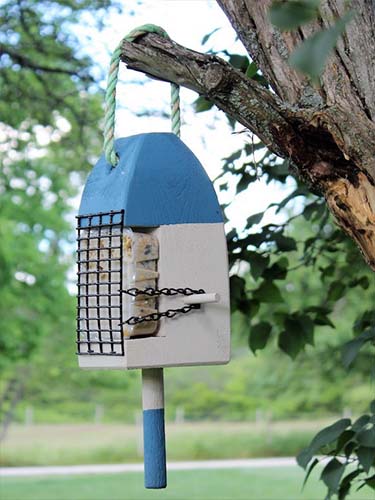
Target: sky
{"type": "Point", "coordinates": [207, 134]}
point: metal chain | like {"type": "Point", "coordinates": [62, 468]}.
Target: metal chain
{"type": "Point", "coordinates": [154, 292]}
{"type": "Point", "coordinates": [170, 313]}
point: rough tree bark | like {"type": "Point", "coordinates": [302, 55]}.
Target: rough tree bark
{"type": "Point", "coordinates": [327, 132]}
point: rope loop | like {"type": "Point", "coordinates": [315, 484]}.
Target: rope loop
{"type": "Point", "coordinates": [110, 96]}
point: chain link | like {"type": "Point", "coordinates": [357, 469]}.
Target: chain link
{"type": "Point", "coordinates": [154, 292]}
{"type": "Point", "coordinates": [170, 313]}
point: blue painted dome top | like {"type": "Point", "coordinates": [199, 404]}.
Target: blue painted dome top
{"type": "Point", "coordinates": [157, 181]}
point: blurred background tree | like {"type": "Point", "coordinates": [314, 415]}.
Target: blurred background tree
{"type": "Point", "coordinates": [50, 106]}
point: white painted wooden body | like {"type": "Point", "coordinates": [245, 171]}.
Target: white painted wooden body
{"type": "Point", "coordinates": [195, 256]}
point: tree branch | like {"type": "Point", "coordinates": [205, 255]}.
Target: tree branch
{"type": "Point", "coordinates": [351, 65]}
{"type": "Point", "coordinates": [243, 99]}
{"type": "Point", "coordinates": [304, 135]}
{"type": "Point", "coordinates": [278, 125]}
{"type": "Point", "coordinates": [270, 49]}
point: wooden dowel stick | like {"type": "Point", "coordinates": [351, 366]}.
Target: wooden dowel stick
{"type": "Point", "coordinates": [154, 428]}
{"type": "Point", "coordinates": [202, 298]}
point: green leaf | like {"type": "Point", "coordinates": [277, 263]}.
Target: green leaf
{"type": "Point", "coordinates": [343, 490]}
{"type": "Point", "coordinates": [208, 36]}
{"type": "Point", "coordinates": [344, 439]}
{"type": "Point", "coordinates": [234, 156]}
{"type": "Point", "coordinates": [311, 56]}
{"type": "Point", "coordinates": [366, 457]}
{"type": "Point", "coordinates": [329, 434]}
{"type": "Point", "coordinates": [309, 243]}
{"type": "Point", "coordinates": [332, 474]}
{"type": "Point", "coordinates": [239, 62]}
{"type": "Point", "coordinates": [260, 79]}
{"type": "Point", "coordinates": [327, 271]}
{"type": "Point", "coordinates": [370, 481]}
{"type": "Point", "coordinates": [256, 239]}
{"type": "Point", "coordinates": [304, 457]}
{"type": "Point", "coordinates": [372, 406]}
{"type": "Point", "coordinates": [367, 437]}
{"type": "Point", "coordinates": [318, 309]}
{"type": "Point", "coordinates": [289, 15]}
{"type": "Point", "coordinates": [254, 308]}
{"type": "Point", "coordinates": [299, 331]}
{"type": "Point", "coordinates": [351, 349]}
{"type": "Point", "coordinates": [349, 448]}
{"type": "Point", "coordinates": [237, 288]}
{"type": "Point", "coordinates": [259, 336]}
{"type": "Point", "coordinates": [346, 483]}
{"type": "Point", "coordinates": [258, 263]}
{"type": "Point", "coordinates": [360, 422]}
{"type": "Point", "coordinates": [253, 73]}
{"type": "Point", "coordinates": [278, 172]}
{"type": "Point", "coordinates": [365, 321]}
{"type": "Point", "coordinates": [285, 243]}
{"type": "Point", "coordinates": [322, 319]}
{"type": "Point", "coordinates": [309, 471]}
{"type": "Point", "coordinates": [363, 282]}
{"type": "Point", "coordinates": [278, 270]}
{"type": "Point", "coordinates": [202, 104]}
{"type": "Point", "coordinates": [268, 293]}
{"type": "Point", "coordinates": [244, 305]}
{"type": "Point", "coordinates": [300, 326]}
{"type": "Point", "coordinates": [309, 210]}
{"type": "Point", "coordinates": [313, 208]}
{"type": "Point", "coordinates": [291, 343]}
{"type": "Point", "coordinates": [308, 329]}
{"type": "Point", "coordinates": [254, 219]}
{"type": "Point", "coordinates": [325, 436]}
{"type": "Point", "coordinates": [244, 181]}
{"type": "Point", "coordinates": [252, 70]}
{"type": "Point", "coordinates": [336, 290]}
{"type": "Point", "coordinates": [231, 120]}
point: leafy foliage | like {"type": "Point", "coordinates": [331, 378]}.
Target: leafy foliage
{"type": "Point", "coordinates": [306, 255]}
{"type": "Point", "coordinates": [49, 112]}
{"type": "Point", "coordinates": [311, 56]}
{"type": "Point", "coordinates": [351, 349]}
{"type": "Point", "coordinates": [347, 443]}
{"type": "Point", "coordinates": [274, 254]}
{"type": "Point", "coordinates": [290, 15]}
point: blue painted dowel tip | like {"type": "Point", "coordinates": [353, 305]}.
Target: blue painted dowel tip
{"type": "Point", "coordinates": [154, 449]}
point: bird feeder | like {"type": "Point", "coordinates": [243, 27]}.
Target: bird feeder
{"type": "Point", "coordinates": [152, 273]}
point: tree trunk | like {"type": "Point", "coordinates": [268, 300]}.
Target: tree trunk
{"type": "Point", "coordinates": [327, 132]}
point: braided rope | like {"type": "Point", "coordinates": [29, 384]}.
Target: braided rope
{"type": "Point", "coordinates": [175, 109]}
{"type": "Point", "coordinates": [110, 96]}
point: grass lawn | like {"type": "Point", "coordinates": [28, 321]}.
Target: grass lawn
{"type": "Point", "coordinates": [105, 443]}
{"type": "Point", "coordinates": [238, 484]}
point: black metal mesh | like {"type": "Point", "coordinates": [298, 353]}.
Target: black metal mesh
{"type": "Point", "coordinates": [99, 259]}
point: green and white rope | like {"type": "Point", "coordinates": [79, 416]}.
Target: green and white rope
{"type": "Point", "coordinates": [110, 96]}
{"type": "Point", "coordinates": [175, 109]}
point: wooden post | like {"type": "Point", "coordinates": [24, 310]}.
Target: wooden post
{"type": "Point", "coordinates": [153, 428]}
